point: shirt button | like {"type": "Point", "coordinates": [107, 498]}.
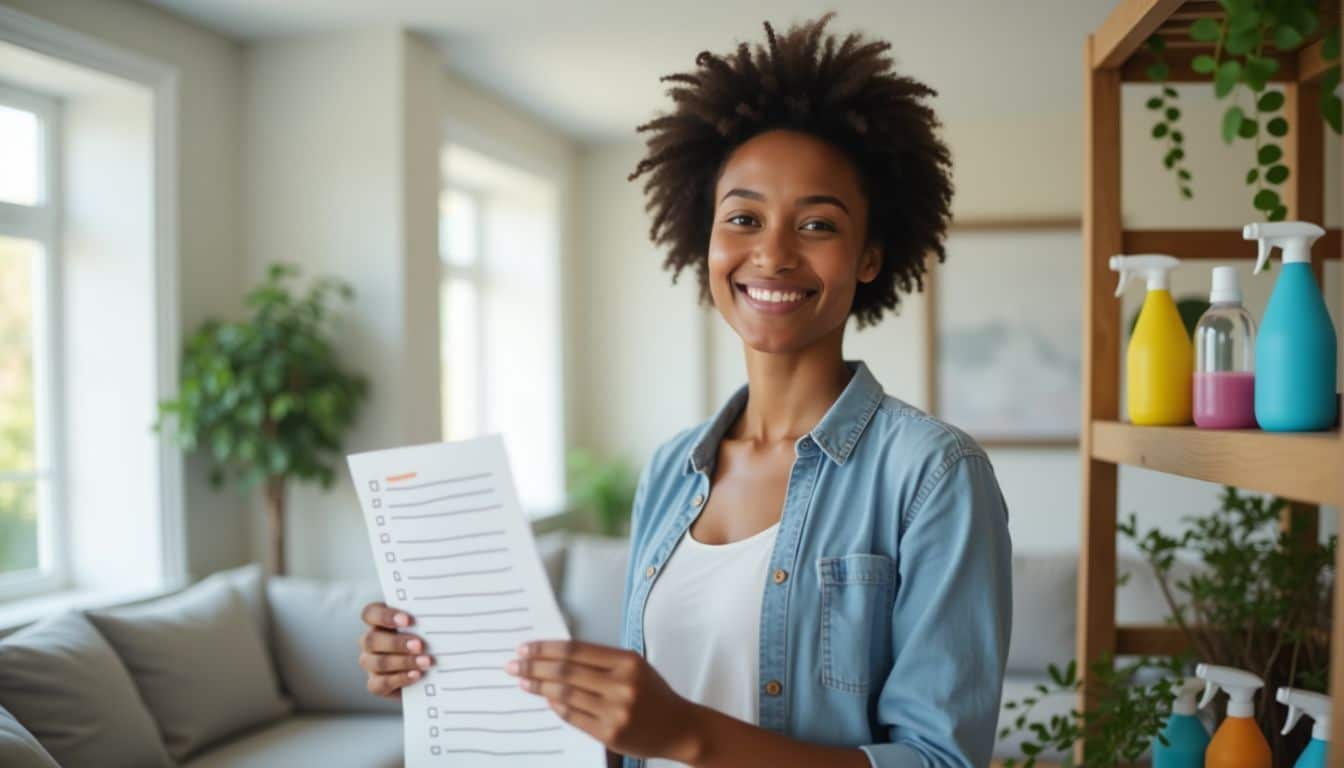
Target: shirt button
{"type": "Point", "coordinates": [781, 575]}
{"type": "Point", "coordinates": [774, 688]}
{"type": "Point", "coordinates": [698, 500]}
{"type": "Point", "coordinates": [650, 571]}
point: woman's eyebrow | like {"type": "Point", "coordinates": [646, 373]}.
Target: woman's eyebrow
{"type": "Point", "coordinates": [808, 200]}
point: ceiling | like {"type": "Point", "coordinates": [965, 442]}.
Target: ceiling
{"type": "Point", "coordinates": [590, 68]}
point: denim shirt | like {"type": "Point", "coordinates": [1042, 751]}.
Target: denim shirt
{"type": "Point", "coordinates": [886, 616]}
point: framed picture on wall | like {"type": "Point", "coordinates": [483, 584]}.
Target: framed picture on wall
{"type": "Point", "coordinates": [1006, 332]}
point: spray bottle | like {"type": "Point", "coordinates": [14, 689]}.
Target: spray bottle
{"type": "Point", "coordinates": [1295, 351]}
{"type": "Point", "coordinates": [1238, 742]}
{"type": "Point", "coordinates": [1160, 358]}
{"type": "Point", "coordinates": [1186, 738]}
{"type": "Point", "coordinates": [1317, 707]}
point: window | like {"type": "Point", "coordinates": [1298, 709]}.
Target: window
{"type": "Point", "coordinates": [31, 556]}
{"type": "Point", "coordinates": [500, 314]}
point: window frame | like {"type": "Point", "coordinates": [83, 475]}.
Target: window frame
{"type": "Point", "coordinates": [475, 276]}
{"type": "Point", "coordinates": [41, 223]}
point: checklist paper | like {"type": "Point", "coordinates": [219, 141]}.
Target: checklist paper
{"type": "Point", "coordinates": [454, 550]}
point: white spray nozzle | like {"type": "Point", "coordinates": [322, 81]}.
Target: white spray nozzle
{"type": "Point", "coordinates": [1315, 705]}
{"type": "Point", "coordinates": [1185, 696]}
{"type": "Point", "coordinates": [1293, 237]}
{"type": "Point", "coordinates": [1239, 684]}
{"type": "Point", "coordinates": [1154, 266]}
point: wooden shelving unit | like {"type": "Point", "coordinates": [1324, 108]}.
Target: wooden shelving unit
{"type": "Point", "coordinates": [1307, 468]}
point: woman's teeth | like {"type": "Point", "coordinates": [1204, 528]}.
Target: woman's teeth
{"type": "Point", "coordinates": [778, 297]}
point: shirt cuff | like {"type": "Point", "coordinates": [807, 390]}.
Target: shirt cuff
{"type": "Point", "coordinates": [892, 756]}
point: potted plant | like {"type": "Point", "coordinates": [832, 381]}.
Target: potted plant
{"type": "Point", "coordinates": [1259, 599]}
{"type": "Point", "coordinates": [604, 489]}
{"type": "Point", "coordinates": [266, 397]}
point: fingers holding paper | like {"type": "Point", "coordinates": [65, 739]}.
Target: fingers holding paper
{"type": "Point", "coordinates": [612, 694]}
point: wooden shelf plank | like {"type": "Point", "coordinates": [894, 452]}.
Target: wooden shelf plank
{"type": "Point", "coordinates": [1131, 23]}
{"type": "Point", "coordinates": [1149, 640]}
{"type": "Point", "coordinates": [1299, 466]}
{"type": "Point", "coordinates": [1311, 63]}
{"type": "Point", "coordinates": [1180, 56]}
{"type": "Point", "coordinates": [1218, 244]}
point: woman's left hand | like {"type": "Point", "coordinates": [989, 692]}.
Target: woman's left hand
{"type": "Point", "coordinates": [612, 694]}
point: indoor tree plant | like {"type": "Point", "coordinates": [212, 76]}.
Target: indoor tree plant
{"type": "Point", "coordinates": [1245, 39]}
{"type": "Point", "coordinates": [266, 397]}
{"type": "Point", "coordinates": [1259, 598]}
{"type": "Point", "coordinates": [603, 488]}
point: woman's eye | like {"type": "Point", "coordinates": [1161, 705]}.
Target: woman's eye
{"type": "Point", "coordinates": [733, 219]}
{"type": "Point", "coordinates": [825, 224]}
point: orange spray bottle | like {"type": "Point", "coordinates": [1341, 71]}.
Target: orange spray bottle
{"type": "Point", "coordinates": [1238, 742]}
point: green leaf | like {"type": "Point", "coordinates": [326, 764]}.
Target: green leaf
{"type": "Point", "coordinates": [1205, 30]}
{"type": "Point", "coordinates": [1286, 38]}
{"type": "Point", "coordinates": [1252, 175]}
{"type": "Point", "coordinates": [1186, 193]}
{"type": "Point", "coordinates": [1279, 214]}
{"type": "Point", "coordinates": [1330, 111]}
{"type": "Point", "coordinates": [1177, 137]}
{"type": "Point", "coordinates": [1270, 101]}
{"type": "Point", "coordinates": [1330, 44]}
{"type": "Point", "coordinates": [1159, 130]}
{"type": "Point", "coordinates": [1277, 175]}
{"type": "Point", "coordinates": [1242, 42]}
{"type": "Point", "coordinates": [1229, 72]}
{"type": "Point", "coordinates": [1277, 127]}
{"type": "Point", "coordinates": [1173, 114]}
{"type": "Point", "coordinates": [1158, 71]}
{"type": "Point", "coordinates": [1183, 174]}
{"type": "Point", "coordinates": [1269, 154]}
{"type": "Point", "coordinates": [1204, 64]}
{"type": "Point", "coordinates": [1248, 128]}
{"type": "Point", "coordinates": [1266, 200]}
{"type": "Point", "coordinates": [1170, 92]}
{"type": "Point", "coordinates": [1155, 103]}
{"type": "Point", "coordinates": [1231, 123]}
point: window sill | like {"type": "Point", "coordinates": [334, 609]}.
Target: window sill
{"type": "Point", "coordinates": [15, 614]}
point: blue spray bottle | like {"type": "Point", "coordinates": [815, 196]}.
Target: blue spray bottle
{"type": "Point", "coordinates": [1295, 355]}
{"type": "Point", "coordinates": [1185, 734]}
{"type": "Point", "coordinates": [1317, 707]}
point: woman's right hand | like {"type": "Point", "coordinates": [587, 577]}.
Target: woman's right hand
{"type": "Point", "coordinates": [393, 659]}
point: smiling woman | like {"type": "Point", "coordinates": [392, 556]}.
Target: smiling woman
{"type": "Point", "coordinates": [820, 573]}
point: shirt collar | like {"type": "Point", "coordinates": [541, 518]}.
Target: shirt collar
{"type": "Point", "coordinates": [836, 434]}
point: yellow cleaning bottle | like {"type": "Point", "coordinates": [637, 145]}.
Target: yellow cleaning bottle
{"type": "Point", "coordinates": [1238, 742]}
{"type": "Point", "coordinates": [1160, 358]}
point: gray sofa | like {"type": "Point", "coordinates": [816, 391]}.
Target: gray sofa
{"type": "Point", "coordinates": [237, 671]}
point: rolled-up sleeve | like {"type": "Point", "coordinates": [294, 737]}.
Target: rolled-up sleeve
{"type": "Point", "coordinates": [950, 623]}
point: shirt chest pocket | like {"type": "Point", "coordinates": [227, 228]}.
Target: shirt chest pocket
{"type": "Point", "coordinates": [856, 597]}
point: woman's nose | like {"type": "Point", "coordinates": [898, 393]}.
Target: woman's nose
{"type": "Point", "coordinates": [775, 251]}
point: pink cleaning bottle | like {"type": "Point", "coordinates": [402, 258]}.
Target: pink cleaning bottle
{"type": "Point", "coordinates": [1224, 396]}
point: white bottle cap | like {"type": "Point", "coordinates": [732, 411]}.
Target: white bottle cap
{"type": "Point", "coordinates": [1226, 286]}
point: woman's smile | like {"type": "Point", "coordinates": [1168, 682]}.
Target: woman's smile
{"type": "Point", "coordinates": [774, 298]}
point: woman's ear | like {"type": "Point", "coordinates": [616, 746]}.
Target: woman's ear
{"type": "Point", "coordinates": [870, 263]}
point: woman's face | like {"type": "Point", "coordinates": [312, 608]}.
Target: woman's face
{"type": "Point", "coordinates": [787, 248]}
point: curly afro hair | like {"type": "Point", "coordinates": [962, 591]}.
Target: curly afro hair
{"type": "Point", "coordinates": [841, 92]}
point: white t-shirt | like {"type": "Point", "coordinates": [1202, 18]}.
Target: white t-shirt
{"type": "Point", "coordinates": [702, 623]}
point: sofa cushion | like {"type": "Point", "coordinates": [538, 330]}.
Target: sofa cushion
{"type": "Point", "coordinates": [1045, 591]}
{"type": "Point", "coordinates": [199, 661]}
{"type": "Point", "coordinates": [594, 587]}
{"type": "Point", "coordinates": [315, 634]}
{"type": "Point", "coordinates": [19, 748]}
{"type": "Point", "coordinates": [65, 684]}
{"type": "Point", "coordinates": [331, 741]}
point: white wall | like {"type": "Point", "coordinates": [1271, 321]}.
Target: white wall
{"type": "Point", "coordinates": [341, 144]}
{"type": "Point", "coordinates": [646, 358]}
{"type": "Point", "coordinates": [209, 269]}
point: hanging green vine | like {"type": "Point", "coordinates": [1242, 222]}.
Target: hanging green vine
{"type": "Point", "coordinates": [1241, 67]}
{"type": "Point", "coordinates": [1168, 109]}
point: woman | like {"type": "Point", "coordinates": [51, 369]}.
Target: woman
{"type": "Point", "coordinates": [819, 574]}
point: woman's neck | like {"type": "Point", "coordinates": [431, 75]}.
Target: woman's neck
{"type": "Point", "coordinates": [791, 392]}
